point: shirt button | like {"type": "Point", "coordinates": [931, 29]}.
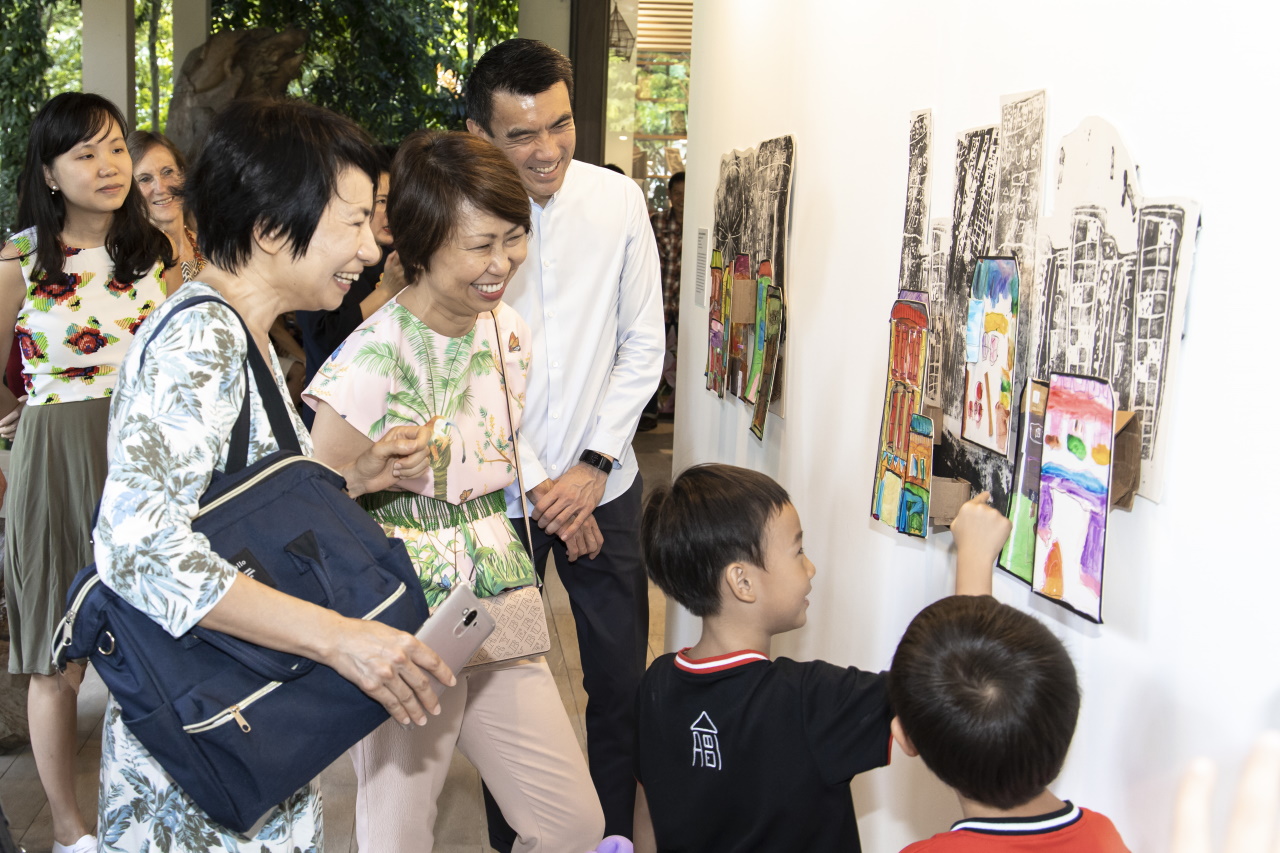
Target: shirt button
{"type": "Point", "coordinates": [555, 364]}
{"type": "Point", "coordinates": [546, 263]}
{"type": "Point", "coordinates": [555, 467]}
{"type": "Point", "coordinates": [551, 313]}
{"type": "Point", "coordinates": [555, 416]}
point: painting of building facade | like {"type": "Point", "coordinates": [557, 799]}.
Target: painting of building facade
{"type": "Point", "coordinates": [1075, 484]}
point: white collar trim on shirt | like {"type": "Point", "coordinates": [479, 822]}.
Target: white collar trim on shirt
{"type": "Point", "coordinates": [1018, 826]}
{"type": "Point", "coordinates": [718, 663]}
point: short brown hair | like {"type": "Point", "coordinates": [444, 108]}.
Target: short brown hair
{"type": "Point", "coordinates": [140, 142]}
{"type": "Point", "coordinates": [433, 175]}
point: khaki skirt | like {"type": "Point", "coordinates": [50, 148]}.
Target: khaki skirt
{"type": "Point", "coordinates": [56, 474]}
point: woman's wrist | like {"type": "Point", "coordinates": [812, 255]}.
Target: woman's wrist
{"type": "Point", "coordinates": [356, 485]}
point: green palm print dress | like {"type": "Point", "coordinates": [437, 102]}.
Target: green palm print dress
{"type": "Point", "coordinates": [393, 371]}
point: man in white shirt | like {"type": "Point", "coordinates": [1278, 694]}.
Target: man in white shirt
{"type": "Point", "coordinates": [590, 291]}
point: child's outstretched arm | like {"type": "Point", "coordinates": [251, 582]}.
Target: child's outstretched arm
{"type": "Point", "coordinates": [980, 531]}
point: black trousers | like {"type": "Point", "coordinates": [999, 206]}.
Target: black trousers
{"type": "Point", "coordinates": [610, 600]}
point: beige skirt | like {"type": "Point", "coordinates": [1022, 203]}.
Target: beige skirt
{"type": "Point", "coordinates": [56, 474]}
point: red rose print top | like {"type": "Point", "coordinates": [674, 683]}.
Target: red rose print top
{"type": "Point", "coordinates": [73, 333]}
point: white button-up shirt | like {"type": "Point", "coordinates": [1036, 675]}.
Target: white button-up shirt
{"type": "Point", "coordinates": [591, 292]}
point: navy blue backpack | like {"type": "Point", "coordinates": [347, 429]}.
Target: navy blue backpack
{"type": "Point", "coordinates": [240, 727]}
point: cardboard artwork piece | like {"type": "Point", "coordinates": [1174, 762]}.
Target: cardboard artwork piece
{"type": "Point", "coordinates": [913, 511]}
{"type": "Point", "coordinates": [946, 496]}
{"type": "Point", "coordinates": [989, 378]}
{"type": "Point", "coordinates": [752, 204]}
{"type": "Point", "coordinates": [1113, 295]}
{"type": "Point", "coordinates": [764, 278]}
{"type": "Point", "coordinates": [716, 337]}
{"type": "Point", "coordinates": [1126, 460]}
{"type": "Point", "coordinates": [1075, 483]}
{"type": "Point", "coordinates": [1018, 556]}
{"type": "Point", "coordinates": [741, 325]}
{"type": "Point", "coordinates": [908, 343]}
{"type": "Point", "coordinates": [939, 260]}
{"type": "Point", "coordinates": [773, 340]}
{"type": "Point", "coordinates": [752, 207]}
{"type": "Point", "coordinates": [915, 227]}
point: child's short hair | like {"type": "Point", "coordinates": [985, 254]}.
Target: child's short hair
{"type": "Point", "coordinates": [711, 516]}
{"type": "Point", "coordinates": [988, 697]}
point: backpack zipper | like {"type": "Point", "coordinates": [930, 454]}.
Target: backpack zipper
{"type": "Point", "coordinates": [248, 484]}
{"type": "Point", "coordinates": [236, 711]}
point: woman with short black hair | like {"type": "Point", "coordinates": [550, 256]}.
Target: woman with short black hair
{"type": "Point", "coordinates": [284, 193]}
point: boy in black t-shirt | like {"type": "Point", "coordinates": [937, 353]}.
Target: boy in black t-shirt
{"type": "Point", "coordinates": [735, 752]}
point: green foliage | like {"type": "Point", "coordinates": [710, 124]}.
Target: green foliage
{"type": "Point", "coordinates": [662, 105]}
{"type": "Point", "coordinates": [64, 44]}
{"type": "Point", "coordinates": [621, 100]}
{"type": "Point", "coordinates": [23, 60]}
{"type": "Point", "coordinates": [394, 66]}
{"type": "Point", "coordinates": [160, 89]}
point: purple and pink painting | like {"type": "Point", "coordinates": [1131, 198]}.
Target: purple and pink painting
{"type": "Point", "coordinates": [1075, 486]}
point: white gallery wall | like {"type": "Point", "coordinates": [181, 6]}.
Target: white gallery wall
{"type": "Point", "coordinates": [1185, 663]}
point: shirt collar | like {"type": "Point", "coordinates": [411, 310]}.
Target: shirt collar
{"type": "Point", "coordinates": [719, 663]}
{"type": "Point", "coordinates": [1038, 824]}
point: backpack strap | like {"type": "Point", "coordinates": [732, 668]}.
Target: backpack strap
{"type": "Point", "coordinates": [257, 371]}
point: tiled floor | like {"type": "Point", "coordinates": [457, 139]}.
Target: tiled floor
{"type": "Point", "coordinates": [461, 826]}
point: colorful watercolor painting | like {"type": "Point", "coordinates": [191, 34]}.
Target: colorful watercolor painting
{"type": "Point", "coordinates": [773, 341]}
{"type": "Point", "coordinates": [989, 378]}
{"type": "Point", "coordinates": [1018, 556]}
{"type": "Point", "coordinates": [764, 279]}
{"type": "Point", "coordinates": [1075, 486]}
{"type": "Point", "coordinates": [741, 325]}
{"type": "Point", "coordinates": [716, 338]}
{"type": "Point", "coordinates": [908, 348]}
{"type": "Point", "coordinates": [913, 511]}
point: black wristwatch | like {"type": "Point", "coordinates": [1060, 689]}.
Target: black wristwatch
{"type": "Point", "coordinates": [596, 460]}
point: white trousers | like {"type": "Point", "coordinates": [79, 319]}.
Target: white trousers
{"type": "Point", "coordinates": [510, 724]}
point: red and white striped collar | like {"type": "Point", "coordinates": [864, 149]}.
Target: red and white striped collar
{"type": "Point", "coordinates": [719, 663]}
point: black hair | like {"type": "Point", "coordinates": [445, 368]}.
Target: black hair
{"type": "Point", "coordinates": [988, 696]}
{"type": "Point", "coordinates": [710, 516]}
{"type": "Point", "coordinates": [517, 66]}
{"type": "Point", "coordinates": [613, 167]}
{"type": "Point", "coordinates": [433, 176]}
{"type": "Point", "coordinates": [133, 243]}
{"type": "Point", "coordinates": [677, 178]}
{"type": "Point", "coordinates": [271, 164]}
{"type": "Point", "coordinates": [385, 154]}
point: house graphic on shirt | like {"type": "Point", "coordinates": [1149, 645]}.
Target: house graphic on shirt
{"type": "Point", "coordinates": [706, 743]}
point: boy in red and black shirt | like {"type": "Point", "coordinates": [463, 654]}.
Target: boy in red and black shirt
{"type": "Point", "coordinates": [987, 696]}
{"type": "Point", "coordinates": [735, 752]}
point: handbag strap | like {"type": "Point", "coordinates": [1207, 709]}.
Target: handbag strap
{"type": "Point", "coordinates": [257, 371]}
{"type": "Point", "coordinates": [515, 448]}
